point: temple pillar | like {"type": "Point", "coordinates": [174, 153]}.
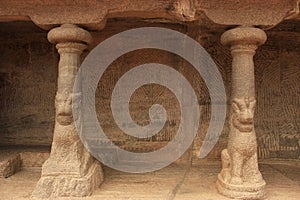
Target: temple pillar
{"type": "Point", "coordinates": [240, 177]}
{"type": "Point", "coordinates": [70, 169]}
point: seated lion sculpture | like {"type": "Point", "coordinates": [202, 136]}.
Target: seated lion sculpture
{"type": "Point", "coordinates": [239, 160]}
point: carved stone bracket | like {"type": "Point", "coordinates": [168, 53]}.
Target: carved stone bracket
{"type": "Point", "coordinates": [49, 14]}
{"type": "Point", "coordinates": [240, 176]}
{"type": "Point", "coordinates": [248, 12]}
{"type": "Point", "coordinates": [70, 169]}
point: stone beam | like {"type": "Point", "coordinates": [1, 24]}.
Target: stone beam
{"type": "Point", "coordinates": [92, 14]}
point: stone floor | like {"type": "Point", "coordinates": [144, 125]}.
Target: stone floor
{"type": "Point", "coordinates": [178, 182]}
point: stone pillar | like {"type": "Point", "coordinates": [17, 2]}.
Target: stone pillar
{"type": "Point", "coordinates": [240, 176]}
{"type": "Point", "coordinates": [70, 169]}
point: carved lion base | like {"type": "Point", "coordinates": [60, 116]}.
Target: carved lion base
{"type": "Point", "coordinates": [244, 191]}
{"type": "Point", "coordinates": [66, 185]}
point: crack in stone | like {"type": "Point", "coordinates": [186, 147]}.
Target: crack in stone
{"type": "Point", "coordinates": [172, 194]}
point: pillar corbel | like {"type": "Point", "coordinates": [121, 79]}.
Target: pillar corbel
{"type": "Point", "coordinates": [70, 169]}
{"type": "Point", "coordinates": [240, 176]}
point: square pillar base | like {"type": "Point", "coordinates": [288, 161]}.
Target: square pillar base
{"type": "Point", "coordinates": [68, 185]}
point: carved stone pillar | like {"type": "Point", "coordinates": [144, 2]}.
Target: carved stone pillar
{"type": "Point", "coordinates": [240, 176]}
{"type": "Point", "coordinates": [70, 169]}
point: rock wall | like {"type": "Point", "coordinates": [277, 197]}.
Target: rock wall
{"type": "Point", "coordinates": [27, 88]}
{"type": "Point", "coordinates": [28, 74]}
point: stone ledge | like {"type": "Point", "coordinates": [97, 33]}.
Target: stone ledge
{"type": "Point", "coordinates": [33, 159]}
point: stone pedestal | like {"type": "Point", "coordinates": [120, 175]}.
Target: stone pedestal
{"type": "Point", "coordinates": [70, 169]}
{"type": "Point", "coordinates": [240, 176]}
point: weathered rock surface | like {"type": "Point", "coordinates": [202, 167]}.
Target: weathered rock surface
{"type": "Point", "coordinates": [10, 163]}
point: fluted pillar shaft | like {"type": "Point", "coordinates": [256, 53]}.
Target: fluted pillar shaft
{"type": "Point", "coordinates": [70, 169]}
{"type": "Point", "coordinates": [240, 176]}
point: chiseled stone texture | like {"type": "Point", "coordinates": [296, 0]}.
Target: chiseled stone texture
{"type": "Point", "coordinates": [27, 88]}
{"type": "Point", "coordinates": [10, 163]}
{"type": "Point", "coordinates": [68, 185]}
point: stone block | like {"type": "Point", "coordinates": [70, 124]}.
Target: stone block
{"type": "Point", "coordinates": [10, 163]}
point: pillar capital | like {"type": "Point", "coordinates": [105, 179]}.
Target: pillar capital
{"type": "Point", "coordinates": [69, 33]}
{"type": "Point", "coordinates": [244, 35]}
